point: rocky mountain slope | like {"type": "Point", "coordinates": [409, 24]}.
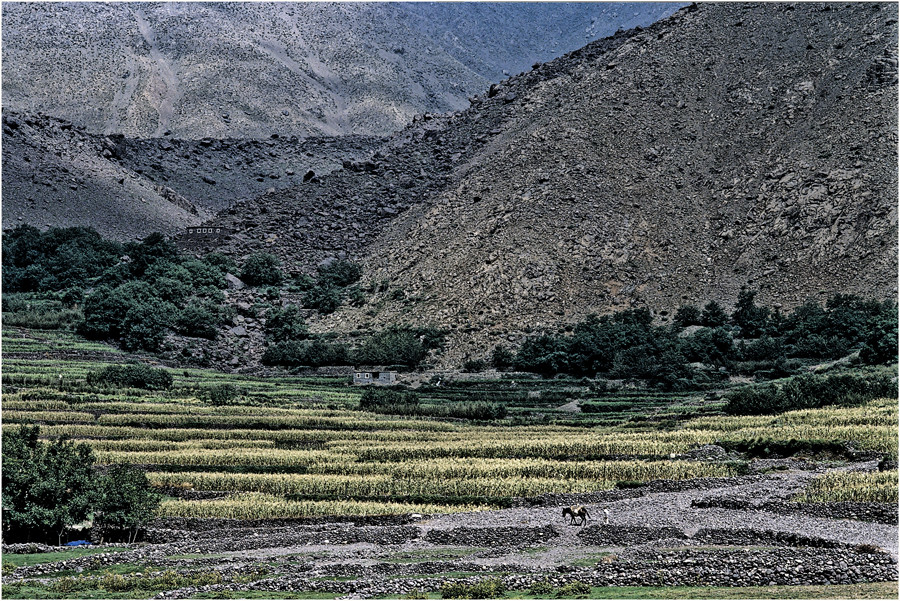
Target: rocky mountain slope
{"type": "Point", "coordinates": [55, 173]}
{"type": "Point", "coordinates": [239, 70]}
{"type": "Point", "coordinates": [731, 144]}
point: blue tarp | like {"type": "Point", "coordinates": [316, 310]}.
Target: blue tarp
{"type": "Point", "coordinates": [78, 543]}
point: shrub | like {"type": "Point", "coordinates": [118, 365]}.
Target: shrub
{"type": "Point", "coordinates": [199, 320]}
{"type": "Point", "coordinates": [223, 394]}
{"type": "Point", "coordinates": [132, 375]}
{"type": "Point", "coordinates": [687, 315]}
{"type": "Point", "coordinates": [339, 273]}
{"type": "Point", "coordinates": [880, 345]}
{"type": "Point", "coordinates": [810, 391]}
{"type": "Point", "coordinates": [146, 324]}
{"type": "Point", "coordinates": [491, 588]}
{"type": "Point", "coordinates": [56, 259]}
{"type": "Point", "coordinates": [324, 298]}
{"type": "Point", "coordinates": [751, 319]}
{"type": "Point", "coordinates": [764, 349]}
{"type": "Point", "coordinates": [261, 269]}
{"type": "Point", "coordinates": [713, 315]}
{"type": "Point", "coordinates": [502, 358]}
{"type": "Point", "coordinates": [310, 353]}
{"type": "Point", "coordinates": [373, 398]}
{"type": "Point", "coordinates": [474, 365]}
{"type": "Point", "coordinates": [541, 587]}
{"type": "Point", "coordinates": [393, 346]}
{"type": "Point", "coordinates": [287, 323]}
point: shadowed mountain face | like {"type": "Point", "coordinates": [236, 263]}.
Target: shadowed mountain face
{"type": "Point", "coordinates": [730, 144]}
{"type": "Point", "coordinates": [238, 70]}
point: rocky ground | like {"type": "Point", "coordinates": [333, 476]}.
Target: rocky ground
{"type": "Point", "coordinates": [661, 166]}
{"type": "Point", "coordinates": [665, 533]}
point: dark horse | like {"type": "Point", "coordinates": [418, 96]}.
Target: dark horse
{"type": "Point", "coordinates": [576, 512]}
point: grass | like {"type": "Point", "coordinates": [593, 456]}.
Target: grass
{"type": "Point", "coordinates": [40, 591]}
{"type": "Point", "coordinates": [431, 555]}
{"type": "Point", "coordinates": [265, 595]}
{"type": "Point", "coordinates": [872, 590]}
{"type": "Point", "coordinates": [592, 559]}
{"type": "Point", "coordinates": [19, 560]}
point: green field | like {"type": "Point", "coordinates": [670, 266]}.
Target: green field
{"type": "Point", "coordinates": [294, 446]}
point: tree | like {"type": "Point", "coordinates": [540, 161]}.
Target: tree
{"type": "Point", "coordinates": [261, 269]}
{"type": "Point", "coordinates": [713, 315]}
{"type": "Point", "coordinates": [688, 315]}
{"type": "Point", "coordinates": [126, 500]}
{"type": "Point", "coordinates": [750, 318]}
{"type": "Point", "coordinates": [393, 346]}
{"type": "Point", "coordinates": [339, 273]}
{"type": "Point", "coordinates": [46, 487]}
{"type": "Point", "coordinates": [502, 358]}
{"type": "Point", "coordinates": [286, 324]}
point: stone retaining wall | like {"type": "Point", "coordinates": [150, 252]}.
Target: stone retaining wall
{"type": "Point", "coordinates": [492, 537]}
{"type": "Point", "coordinates": [881, 513]}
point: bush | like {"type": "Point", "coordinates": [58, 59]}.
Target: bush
{"type": "Point", "coordinates": [309, 353]}
{"type": "Point", "coordinates": [261, 269]}
{"type": "Point", "coordinates": [223, 394]}
{"type": "Point", "coordinates": [46, 487]}
{"type": "Point", "coordinates": [491, 588]}
{"type": "Point", "coordinates": [751, 319]}
{"type": "Point", "coordinates": [126, 501]}
{"type": "Point", "coordinates": [474, 365]}
{"type": "Point", "coordinates": [688, 315]}
{"type": "Point", "coordinates": [132, 375]}
{"type": "Point", "coordinates": [286, 324]}
{"type": "Point", "coordinates": [56, 259]}
{"type": "Point", "coordinates": [324, 298]}
{"type": "Point", "coordinates": [880, 347]}
{"type": "Point", "coordinates": [199, 320]}
{"type": "Point", "coordinates": [713, 315]}
{"type": "Point", "coordinates": [541, 587]}
{"type": "Point", "coordinates": [393, 346]}
{"type": "Point", "coordinates": [373, 398]}
{"type": "Point", "coordinates": [339, 273]}
{"type": "Point", "coordinates": [502, 358]}
{"type": "Point", "coordinates": [810, 391]}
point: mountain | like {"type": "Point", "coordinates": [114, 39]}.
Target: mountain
{"type": "Point", "coordinates": [730, 144]}
{"type": "Point", "coordinates": [57, 174]}
{"type": "Point", "coordinates": [248, 69]}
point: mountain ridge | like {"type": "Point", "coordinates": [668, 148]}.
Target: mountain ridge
{"type": "Point", "coordinates": [658, 167]}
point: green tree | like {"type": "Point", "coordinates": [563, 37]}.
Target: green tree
{"type": "Point", "coordinates": [713, 315]}
{"type": "Point", "coordinates": [287, 323]}
{"type": "Point", "coordinates": [880, 345]}
{"type": "Point", "coordinates": [502, 358]}
{"type": "Point", "coordinates": [749, 317]}
{"type": "Point", "coordinates": [688, 315]}
{"type": "Point", "coordinates": [126, 500]}
{"type": "Point", "coordinates": [46, 487]}
{"type": "Point", "coordinates": [324, 298]}
{"type": "Point", "coordinates": [261, 269]}
{"type": "Point", "coordinates": [339, 273]}
{"type": "Point", "coordinates": [393, 346]}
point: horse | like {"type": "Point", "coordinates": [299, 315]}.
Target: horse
{"type": "Point", "coordinates": [576, 511]}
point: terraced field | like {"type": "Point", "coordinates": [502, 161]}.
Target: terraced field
{"type": "Point", "coordinates": [298, 446]}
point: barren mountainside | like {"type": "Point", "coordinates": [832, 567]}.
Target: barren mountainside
{"type": "Point", "coordinates": [58, 174]}
{"type": "Point", "coordinates": [731, 144]}
{"type": "Point", "coordinates": [237, 70]}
